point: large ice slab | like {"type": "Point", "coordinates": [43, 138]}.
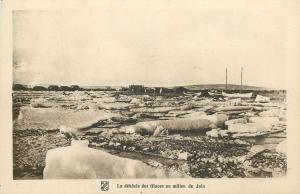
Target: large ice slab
{"type": "Point", "coordinates": [260, 98]}
{"type": "Point", "coordinates": [81, 162]}
{"type": "Point", "coordinates": [281, 147]}
{"type": "Point", "coordinates": [273, 113]}
{"type": "Point", "coordinates": [177, 125]}
{"type": "Point", "coordinates": [264, 121]}
{"type": "Point", "coordinates": [234, 108]}
{"type": "Point", "coordinates": [153, 110]}
{"type": "Point", "coordinates": [53, 118]}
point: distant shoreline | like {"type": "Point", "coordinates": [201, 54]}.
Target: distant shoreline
{"type": "Point", "coordinates": [200, 87]}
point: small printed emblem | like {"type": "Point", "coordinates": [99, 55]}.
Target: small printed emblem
{"type": "Point", "coordinates": [104, 185]}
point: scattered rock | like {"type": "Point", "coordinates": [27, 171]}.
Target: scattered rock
{"type": "Point", "coordinates": [103, 144]}
{"type": "Point", "coordinates": [183, 156]}
{"type": "Point", "coordinates": [132, 148]}
{"type": "Point", "coordinates": [278, 172]}
{"type": "Point", "coordinates": [111, 144]}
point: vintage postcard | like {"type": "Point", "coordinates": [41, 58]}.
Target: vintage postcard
{"type": "Point", "coordinates": [149, 96]}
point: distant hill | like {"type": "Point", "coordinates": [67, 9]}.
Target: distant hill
{"type": "Point", "coordinates": [223, 87]}
{"type": "Point", "coordinates": [100, 87]}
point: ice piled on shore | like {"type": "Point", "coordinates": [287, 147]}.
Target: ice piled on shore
{"type": "Point", "coordinates": [281, 147]}
{"type": "Point", "coordinates": [247, 128]}
{"type": "Point", "coordinates": [260, 98]}
{"type": "Point", "coordinates": [264, 121]}
{"type": "Point", "coordinates": [235, 121]}
{"type": "Point", "coordinates": [177, 125]}
{"type": "Point", "coordinates": [53, 118]}
{"type": "Point", "coordinates": [234, 108]}
{"type": "Point", "coordinates": [153, 110]}
{"type": "Point", "coordinates": [114, 106]}
{"type": "Point", "coordinates": [194, 114]}
{"type": "Point", "coordinates": [41, 103]}
{"type": "Point", "coordinates": [273, 113]}
{"type": "Point", "coordinates": [78, 161]}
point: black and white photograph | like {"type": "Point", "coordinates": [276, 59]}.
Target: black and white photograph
{"type": "Point", "coordinates": [111, 96]}
{"type": "Point", "coordinates": [149, 97]}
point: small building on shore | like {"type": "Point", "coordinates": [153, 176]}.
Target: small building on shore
{"type": "Point", "coordinates": [137, 88]}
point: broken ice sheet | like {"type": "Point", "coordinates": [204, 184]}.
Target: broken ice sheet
{"type": "Point", "coordinates": [53, 118]}
{"type": "Point", "coordinates": [81, 162]}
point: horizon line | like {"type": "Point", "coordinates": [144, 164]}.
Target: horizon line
{"type": "Point", "coordinates": [183, 85]}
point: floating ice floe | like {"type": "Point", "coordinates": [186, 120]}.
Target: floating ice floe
{"type": "Point", "coordinates": [105, 100]}
{"type": "Point", "coordinates": [78, 161]}
{"type": "Point", "coordinates": [234, 102]}
{"type": "Point", "coordinates": [247, 128]}
{"type": "Point", "coordinates": [216, 119]}
{"type": "Point", "coordinates": [86, 106]}
{"type": "Point", "coordinates": [136, 101]}
{"type": "Point", "coordinates": [53, 118]}
{"type": "Point", "coordinates": [234, 108]}
{"type": "Point", "coordinates": [114, 106]}
{"type": "Point", "coordinates": [281, 147]}
{"type": "Point", "coordinates": [188, 106]}
{"type": "Point", "coordinates": [175, 154]}
{"type": "Point", "coordinates": [178, 113]}
{"type": "Point", "coordinates": [213, 133]}
{"type": "Point", "coordinates": [234, 121]}
{"type": "Point", "coordinates": [79, 95]}
{"type": "Point", "coordinates": [264, 121]}
{"type": "Point", "coordinates": [153, 110]}
{"type": "Point", "coordinates": [273, 113]}
{"type": "Point", "coordinates": [257, 126]}
{"type": "Point", "coordinates": [41, 103]}
{"type": "Point", "coordinates": [217, 132]}
{"type": "Point", "coordinates": [177, 125]}
{"type": "Point", "coordinates": [199, 114]}
{"type": "Point", "coordinates": [254, 150]}
{"type": "Point", "coordinates": [260, 98]}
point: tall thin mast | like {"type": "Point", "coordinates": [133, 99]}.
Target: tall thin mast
{"type": "Point", "coordinates": [241, 80]}
{"type": "Point", "coordinates": [226, 78]}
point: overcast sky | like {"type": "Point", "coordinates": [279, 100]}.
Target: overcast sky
{"type": "Point", "coordinates": [151, 47]}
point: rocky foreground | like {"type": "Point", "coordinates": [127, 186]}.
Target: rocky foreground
{"type": "Point", "coordinates": [197, 156]}
{"type": "Point", "coordinates": [220, 138]}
